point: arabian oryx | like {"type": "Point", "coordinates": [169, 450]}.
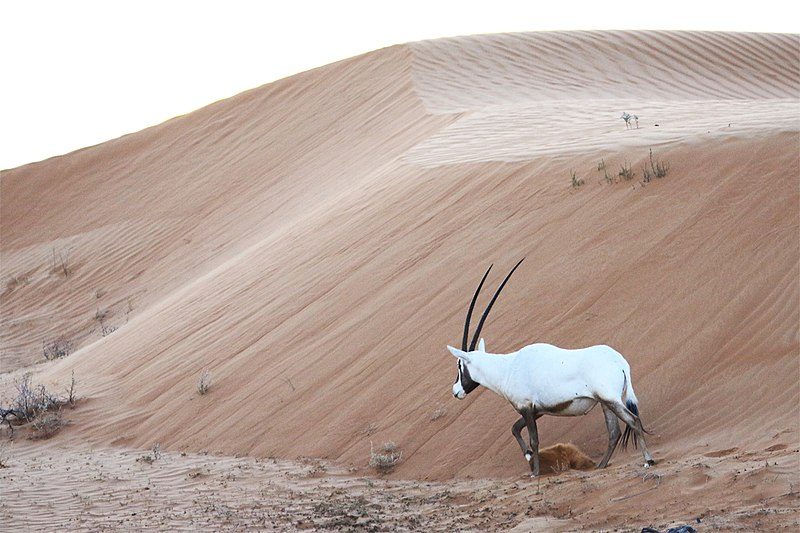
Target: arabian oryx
{"type": "Point", "coordinates": [542, 379]}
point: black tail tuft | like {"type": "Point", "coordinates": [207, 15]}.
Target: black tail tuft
{"type": "Point", "coordinates": [627, 435]}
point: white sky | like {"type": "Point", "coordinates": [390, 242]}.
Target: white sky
{"type": "Point", "coordinates": [80, 72]}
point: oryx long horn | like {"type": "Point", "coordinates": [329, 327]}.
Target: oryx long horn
{"type": "Point", "coordinates": [489, 307]}
{"type": "Point", "coordinates": [471, 307]}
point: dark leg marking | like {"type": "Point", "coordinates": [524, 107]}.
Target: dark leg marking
{"type": "Point", "coordinates": [516, 430]}
{"type": "Point", "coordinates": [557, 408]}
{"type": "Point", "coordinates": [613, 434]}
{"type": "Point", "coordinates": [530, 417]}
{"type": "Point", "coordinates": [635, 424]}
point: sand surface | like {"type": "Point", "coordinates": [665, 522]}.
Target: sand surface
{"type": "Point", "coordinates": [312, 245]}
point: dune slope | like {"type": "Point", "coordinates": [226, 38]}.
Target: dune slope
{"type": "Point", "coordinates": [313, 244]}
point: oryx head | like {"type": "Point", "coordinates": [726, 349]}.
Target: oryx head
{"type": "Point", "coordinates": [464, 383]}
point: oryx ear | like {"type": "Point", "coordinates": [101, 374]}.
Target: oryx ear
{"type": "Point", "coordinates": [458, 353]}
{"type": "Point", "coordinates": [481, 345]}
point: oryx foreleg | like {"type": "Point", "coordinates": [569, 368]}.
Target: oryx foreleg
{"type": "Point", "coordinates": [516, 430]}
{"type": "Point", "coordinates": [529, 417]}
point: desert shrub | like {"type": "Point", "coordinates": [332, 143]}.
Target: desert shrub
{"type": "Point", "coordinates": [153, 456]}
{"type": "Point", "coordinates": [45, 424]}
{"type": "Point", "coordinates": [35, 405]}
{"type": "Point", "coordinates": [56, 349]}
{"type": "Point", "coordinates": [385, 460]}
{"type": "Point", "coordinates": [576, 181]}
{"type": "Point", "coordinates": [32, 400]}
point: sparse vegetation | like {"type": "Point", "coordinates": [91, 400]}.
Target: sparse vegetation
{"type": "Point", "coordinates": [627, 117]}
{"type": "Point", "coordinates": [385, 460]}
{"type": "Point", "coordinates": [576, 181]}
{"type": "Point", "coordinates": [61, 262]}
{"type": "Point", "coordinates": [100, 317]}
{"type": "Point", "coordinates": [105, 331]}
{"type": "Point", "coordinates": [56, 349]}
{"type": "Point", "coordinates": [153, 456]}
{"type": "Point", "coordinates": [204, 382]}
{"type": "Point", "coordinates": [38, 407]}
{"type": "Point", "coordinates": [439, 412]}
{"type": "Point", "coordinates": [602, 166]}
{"type": "Point", "coordinates": [657, 169]}
{"type": "Point", "coordinates": [45, 424]}
{"type": "Point", "coordinates": [654, 169]}
{"type": "Point", "coordinates": [32, 400]}
{"type": "Point", "coordinates": [625, 172]}
{"type": "Point", "coordinates": [71, 396]}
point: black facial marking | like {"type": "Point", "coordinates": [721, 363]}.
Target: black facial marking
{"type": "Point", "coordinates": [467, 383]}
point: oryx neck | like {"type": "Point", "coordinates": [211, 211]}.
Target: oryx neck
{"type": "Point", "coordinates": [490, 370]}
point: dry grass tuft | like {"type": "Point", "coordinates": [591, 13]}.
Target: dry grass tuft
{"type": "Point", "coordinates": [46, 424]}
{"type": "Point", "coordinates": [384, 461]}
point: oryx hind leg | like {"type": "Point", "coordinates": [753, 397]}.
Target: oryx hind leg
{"type": "Point", "coordinates": [612, 424]}
{"type": "Point", "coordinates": [634, 424]}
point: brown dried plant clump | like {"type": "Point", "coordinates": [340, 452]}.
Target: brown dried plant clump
{"type": "Point", "coordinates": [562, 457]}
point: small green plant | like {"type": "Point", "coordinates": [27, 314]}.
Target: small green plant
{"type": "Point", "coordinates": [204, 382]}
{"type": "Point", "coordinates": [602, 166]}
{"type": "Point", "coordinates": [625, 172]}
{"type": "Point", "coordinates": [660, 168]}
{"type": "Point", "coordinates": [657, 169]}
{"type": "Point", "coordinates": [386, 459]}
{"type": "Point", "coordinates": [627, 117]}
{"type": "Point", "coordinates": [576, 181]}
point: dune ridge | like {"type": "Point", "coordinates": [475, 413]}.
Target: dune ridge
{"type": "Point", "coordinates": [313, 244]}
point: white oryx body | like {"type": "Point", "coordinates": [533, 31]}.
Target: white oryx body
{"type": "Point", "coordinates": [542, 379]}
{"type": "Point", "coordinates": [553, 380]}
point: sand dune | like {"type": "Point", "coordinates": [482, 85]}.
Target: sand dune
{"type": "Point", "coordinates": [313, 244]}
